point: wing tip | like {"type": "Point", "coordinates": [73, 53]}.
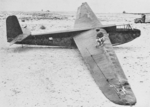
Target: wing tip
{"type": "Point", "coordinates": [129, 100]}
{"type": "Point", "coordinates": [85, 17]}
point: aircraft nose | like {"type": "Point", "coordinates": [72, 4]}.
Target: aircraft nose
{"type": "Point", "coordinates": [136, 33]}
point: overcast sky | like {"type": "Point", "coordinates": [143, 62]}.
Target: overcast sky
{"type": "Point", "coordinates": [101, 6]}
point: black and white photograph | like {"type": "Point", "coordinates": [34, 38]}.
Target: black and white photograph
{"type": "Point", "coordinates": [69, 53]}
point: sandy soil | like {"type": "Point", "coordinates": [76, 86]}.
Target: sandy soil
{"type": "Point", "coordinates": [58, 77]}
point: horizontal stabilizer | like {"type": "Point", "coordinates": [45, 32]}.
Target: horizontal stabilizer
{"type": "Point", "coordinates": [21, 37]}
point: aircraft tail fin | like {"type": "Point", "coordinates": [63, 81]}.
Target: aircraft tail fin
{"type": "Point", "coordinates": [85, 17]}
{"type": "Point", "coordinates": [14, 30]}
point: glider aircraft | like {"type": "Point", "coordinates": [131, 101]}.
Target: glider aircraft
{"type": "Point", "coordinates": [102, 61]}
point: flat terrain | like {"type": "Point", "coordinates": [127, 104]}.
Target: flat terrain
{"type": "Point", "coordinates": [43, 76]}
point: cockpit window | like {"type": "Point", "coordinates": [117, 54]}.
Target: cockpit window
{"type": "Point", "coordinates": [126, 26]}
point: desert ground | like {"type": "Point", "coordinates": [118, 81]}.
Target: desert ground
{"type": "Point", "coordinates": [43, 76]}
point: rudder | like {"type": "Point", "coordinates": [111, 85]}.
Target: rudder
{"type": "Point", "coordinates": [12, 27]}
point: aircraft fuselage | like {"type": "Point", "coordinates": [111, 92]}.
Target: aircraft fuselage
{"type": "Point", "coordinates": [117, 36]}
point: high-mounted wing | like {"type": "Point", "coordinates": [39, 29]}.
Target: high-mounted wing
{"type": "Point", "coordinates": [102, 62]}
{"type": "Point", "coordinates": [105, 68]}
